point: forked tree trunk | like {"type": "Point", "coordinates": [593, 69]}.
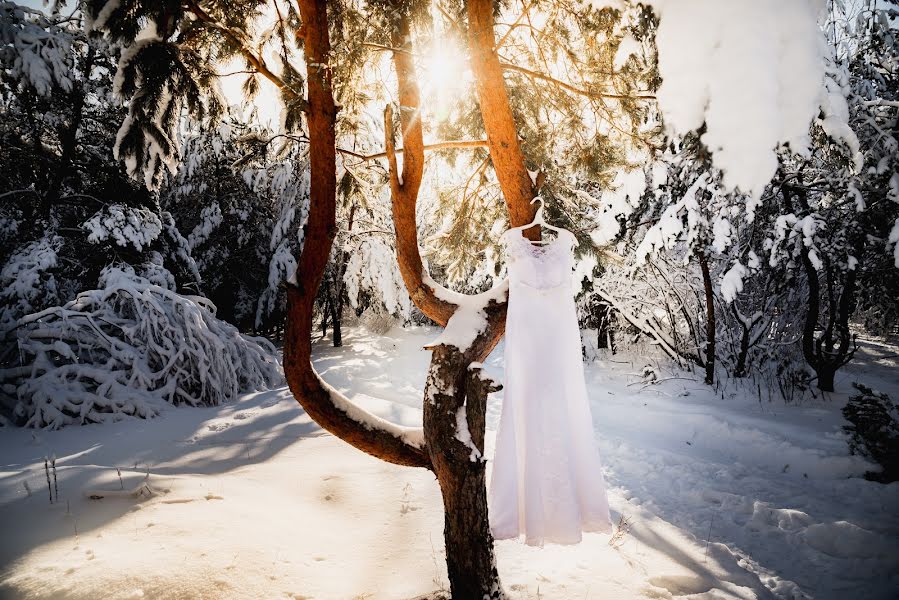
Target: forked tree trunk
{"type": "Point", "coordinates": [453, 387]}
{"type": "Point", "coordinates": [820, 353]}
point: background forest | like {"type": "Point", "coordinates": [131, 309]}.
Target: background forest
{"type": "Point", "coordinates": [192, 188]}
{"type": "Point", "coordinates": [677, 249]}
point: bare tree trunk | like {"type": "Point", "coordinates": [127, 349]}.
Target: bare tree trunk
{"type": "Point", "coordinates": [605, 334]}
{"type": "Point", "coordinates": [709, 318]}
{"type": "Point", "coordinates": [337, 316]}
{"type": "Point", "coordinates": [820, 353]}
{"type": "Point", "coordinates": [746, 333]}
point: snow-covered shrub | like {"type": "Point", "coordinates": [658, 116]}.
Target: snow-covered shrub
{"type": "Point", "coordinates": [126, 348]}
{"type": "Point", "coordinates": [26, 280]}
{"type": "Point", "coordinates": [874, 431]}
{"type": "Point", "coordinates": [377, 321]}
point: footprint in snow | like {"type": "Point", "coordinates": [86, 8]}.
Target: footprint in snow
{"type": "Point", "coordinates": [682, 585]}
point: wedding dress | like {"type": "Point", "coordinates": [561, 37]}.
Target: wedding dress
{"type": "Point", "coordinates": [547, 480]}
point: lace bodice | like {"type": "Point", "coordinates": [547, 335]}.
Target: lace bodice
{"type": "Point", "coordinates": [541, 267]}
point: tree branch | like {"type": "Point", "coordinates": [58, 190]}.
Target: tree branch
{"type": "Point", "coordinates": [499, 122]}
{"type": "Point", "coordinates": [571, 88]}
{"type": "Point", "coordinates": [257, 62]}
{"type": "Point", "coordinates": [427, 147]}
{"type": "Point", "coordinates": [404, 186]}
{"type": "Point", "coordinates": [513, 26]}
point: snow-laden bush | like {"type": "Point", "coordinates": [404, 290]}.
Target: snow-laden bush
{"type": "Point", "coordinates": [27, 282]}
{"type": "Point", "coordinates": [125, 349]}
{"type": "Point", "coordinates": [874, 431]}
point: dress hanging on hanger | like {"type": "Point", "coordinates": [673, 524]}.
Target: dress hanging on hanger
{"type": "Point", "coordinates": [547, 482]}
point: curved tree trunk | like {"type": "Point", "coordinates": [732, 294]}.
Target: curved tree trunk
{"type": "Point", "coordinates": [321, 402]}
{"type": "Point", "coordinates": [819, 352]}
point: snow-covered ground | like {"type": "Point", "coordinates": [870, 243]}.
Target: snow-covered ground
{"type": "Point", "coordinates": [727, 497]}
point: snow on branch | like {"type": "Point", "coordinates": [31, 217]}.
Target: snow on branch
{"type": "Point", "coordinates": [751, 71]}
{"type": "Point", "coordinates": [414, 436]}
{"type": "Point", "coordinates": [34, 49]}
{"type": "Point", "coordinates": [470, 318]}
{"type": "Point", "coordinates": [126, 225]}
{"type": "Point", "coordinates": [127, 349]}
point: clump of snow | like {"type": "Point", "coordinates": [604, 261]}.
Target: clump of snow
{"type": "Point", "coordinates": [126, 349]}
{"type": "Point", "coordinates": [894, 240]}
{"type": "Point", "coordinates": [750, 70]}
{"type": "Point", "coordinates": [721, 233]}
{"type": "Point", "coordinates": [154, 271]}
{"type": "Point", "coordinates": [470, 319]}
{"type": "Point", "coordinates": [835, 120]}
{"type": "Point", "coordinates": [627, 47]}
{"type": "Point", "coordinates": [671, 226]}
{"type": "Point", "coordinates": [210, 219]}
{"type": "Point", "coordinates": [617, 202]}
{"type": "Point", "coordinates": [463, 434]}
{"type": "Point", "coordinates": [125, 225]}
{"type": "Point", "coordinates": [732, 282]}
{"type": "Point", "coordinates": [99, 22]}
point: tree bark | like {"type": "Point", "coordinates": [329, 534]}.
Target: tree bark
{"type": "Point", "coordinates": [709, 318]}
{"type": "Point", "coordinates": [499, 122]}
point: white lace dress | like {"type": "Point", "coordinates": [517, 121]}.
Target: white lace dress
{"type": "Point", "coordinates": [547, 481]}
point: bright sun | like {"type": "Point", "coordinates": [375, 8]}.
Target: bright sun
{"type": "Point", "coordinates": [444, 74]}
